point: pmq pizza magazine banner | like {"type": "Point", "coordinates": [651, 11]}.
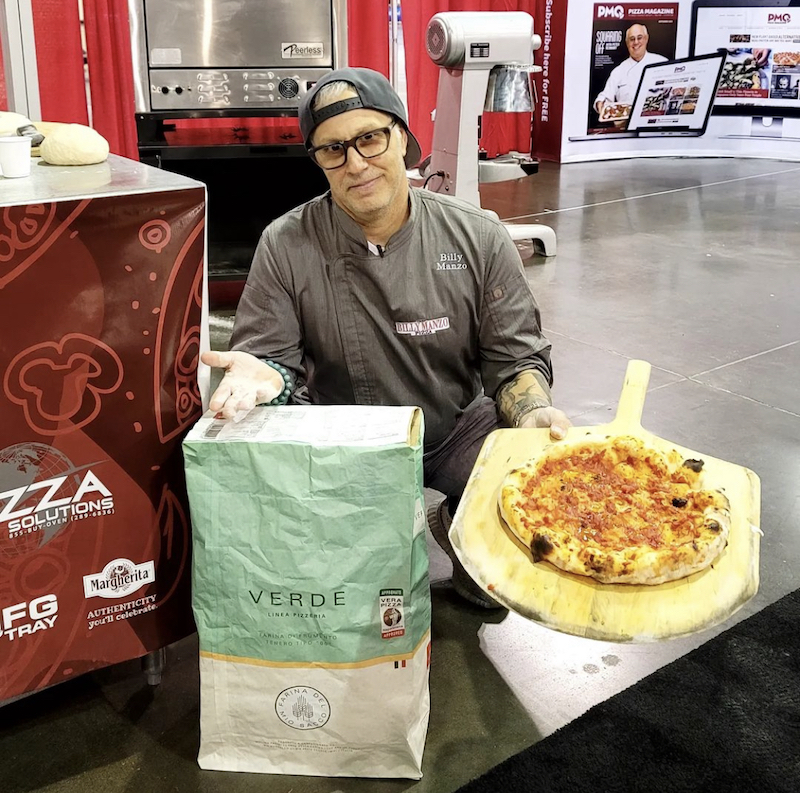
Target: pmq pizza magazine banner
{"type": "Point", "coordinates": [611, 24]}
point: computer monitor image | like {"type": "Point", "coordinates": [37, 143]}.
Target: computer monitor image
{"type": "Point", "coordinates": [761, 40]}
{"type": "Point", "coordinates": [676, 97]}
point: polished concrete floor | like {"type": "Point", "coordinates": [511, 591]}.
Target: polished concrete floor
{"type": "Point", "coordinates": [692, 265]}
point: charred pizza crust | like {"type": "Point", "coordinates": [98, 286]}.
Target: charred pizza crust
{"type": "Point", "coordinates": [617, 511]}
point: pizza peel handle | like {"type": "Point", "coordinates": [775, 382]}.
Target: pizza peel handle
{"type": "Point", "coordinates": [631, 400]}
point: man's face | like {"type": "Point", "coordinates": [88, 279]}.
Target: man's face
{"type": "Point", "coordinates": [365, 188]}
{"type": "Point", "coordinates": [636, 38]}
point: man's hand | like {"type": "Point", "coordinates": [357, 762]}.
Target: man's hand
{"type": "Point", "coordinates": [761, 56]}
{"type": "Point", "coordinates": [246, 383]}
{"type": "Point", "coordinates": [547, 417]}
{"type": "Point", "coordinates": [524, 402]}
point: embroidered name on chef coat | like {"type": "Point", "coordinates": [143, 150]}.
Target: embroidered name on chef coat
{"type": "Point", "coordinates": [451, 261]}
{"type": "Point", "coordinates": [422, 327]}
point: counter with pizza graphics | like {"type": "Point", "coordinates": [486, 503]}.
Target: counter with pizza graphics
{"type": "Point", "coordinates": [101, 286]}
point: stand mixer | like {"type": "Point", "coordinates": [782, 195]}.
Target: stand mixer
{"type": "Point", "coordinates": [485, 60]}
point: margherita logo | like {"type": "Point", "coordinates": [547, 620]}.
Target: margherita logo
{"type": "Point", "coordinates": [302, 708]}
{"type": "Point", "coordinates": [615, 12]}
{"type": "Point", "coordinates": [302, 50]}
{"type": "Point", "coordinates": [118, 579]}
{"type": "Point", "coordinates": [779, 19]}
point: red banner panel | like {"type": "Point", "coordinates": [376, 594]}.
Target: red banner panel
{"type": "Point", "coordinates": [99, 341]}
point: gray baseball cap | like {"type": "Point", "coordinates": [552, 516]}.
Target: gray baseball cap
{"type": "Point", "coordinates": [374, 91]}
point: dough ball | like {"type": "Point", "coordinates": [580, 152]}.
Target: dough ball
{"type": "Point", "coordinates": [74, 144]}
{"type": "Point", "coordinates": [11, 122]}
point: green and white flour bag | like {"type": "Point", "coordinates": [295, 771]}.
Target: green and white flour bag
{"type": "Point", "coordinates": [310, 590]}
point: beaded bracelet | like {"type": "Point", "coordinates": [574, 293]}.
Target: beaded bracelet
{"type": "Point", "coordinates": [283, 397]}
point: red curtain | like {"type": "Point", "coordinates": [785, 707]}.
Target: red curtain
{"type": "Point", "coordinates": [368, 34]}
{"type": "Point", "coordinates": [59, 61]}
{"type": "Point", "coordinates": [3, 93]}
{"type": "Point", "coordinates": [501, 132]}
{"type": "Point", "coordinates": [108, 48]}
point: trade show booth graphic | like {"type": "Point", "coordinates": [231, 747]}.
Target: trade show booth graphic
{"type": "Point", "coordinates": [102, 292]}
{"type": "Point", "coordinates": [611, 53]}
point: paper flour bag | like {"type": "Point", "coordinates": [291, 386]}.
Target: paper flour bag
{"type": "Point", "coordinates": [310, 590]}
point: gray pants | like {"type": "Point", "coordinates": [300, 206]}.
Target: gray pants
{"type": "Point", "coordinates": [448, 465]}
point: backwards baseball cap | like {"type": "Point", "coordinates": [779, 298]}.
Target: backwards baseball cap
{"type": "Point", "coordinates": [374, 91]}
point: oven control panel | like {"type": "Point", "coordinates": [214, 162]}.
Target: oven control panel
{"type": "Point", "coordinates": [230, 89]}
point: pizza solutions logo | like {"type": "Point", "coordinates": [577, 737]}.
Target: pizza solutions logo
{"type": "Point", "coordinates": [53, 503]}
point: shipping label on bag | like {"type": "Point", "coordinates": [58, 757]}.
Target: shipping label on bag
{"type": "Point", "coordinates": [311, 591]}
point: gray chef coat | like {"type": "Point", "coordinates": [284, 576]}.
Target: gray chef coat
{"type": "Point", "coordinates": [445, 310]}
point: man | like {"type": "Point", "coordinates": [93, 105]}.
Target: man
{"type": "Point", "coordinates": [624, 79]}
{"type": "Point", "coordinates": [379, 294]}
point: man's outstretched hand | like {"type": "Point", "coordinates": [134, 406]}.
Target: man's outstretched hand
{"type": "Point", "coordinates": [247, 382]}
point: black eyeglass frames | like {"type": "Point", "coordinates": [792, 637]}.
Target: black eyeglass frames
{"type": "Point", "coordinates": [367, 144]}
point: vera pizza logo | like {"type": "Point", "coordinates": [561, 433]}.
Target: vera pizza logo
{"type": "Point", "coordinates": [26, 618]}
{"type": "Point", "coordinates": [49, 504]}
{"type": "Point", "coordinates": [118, 579]}
{"type": "Point", "coordinates": [303, 708]}
{"type": "Point", "coordinates": [614, 12]}
{"type": "Point", "coordinates": [392, 611]}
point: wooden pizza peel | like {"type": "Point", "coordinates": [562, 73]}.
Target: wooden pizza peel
{"type": "Point", "coordinates": [574, 604]}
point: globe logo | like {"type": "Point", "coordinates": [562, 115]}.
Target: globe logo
{"type": "Point", "coordinates": [23, 464]}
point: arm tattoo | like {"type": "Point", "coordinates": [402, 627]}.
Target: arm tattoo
{"type": "Point", "coordinates": [520, 396]}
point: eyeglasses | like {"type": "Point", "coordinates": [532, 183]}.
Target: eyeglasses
{"type": "Point", "coordinates": [367, 144]}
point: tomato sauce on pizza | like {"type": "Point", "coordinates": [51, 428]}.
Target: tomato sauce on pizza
{"type": "Point", "coordinates": [616, 511]}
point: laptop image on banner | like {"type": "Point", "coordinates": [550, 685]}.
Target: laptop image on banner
{"type": "Point", "coordinates": [674, 98]}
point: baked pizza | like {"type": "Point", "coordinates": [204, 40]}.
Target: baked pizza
{"type": "Point", "coordinates": [617, 511]}
{"type": "Point", "coordinates": [786, 59]}
{"type": "Point", "coordinates": [615, 111]}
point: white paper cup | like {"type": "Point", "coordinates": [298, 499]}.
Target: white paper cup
{"type": "Point", "coordinates": [15, 156]}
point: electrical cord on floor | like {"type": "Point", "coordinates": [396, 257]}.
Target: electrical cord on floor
{"type": "Point", "coordinates": [430, 176]}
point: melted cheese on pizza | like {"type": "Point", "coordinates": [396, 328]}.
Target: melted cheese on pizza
{"type": "Point", "coordinates": [612, 500]}
{"type": "Point", "coordinates": [616, 511]}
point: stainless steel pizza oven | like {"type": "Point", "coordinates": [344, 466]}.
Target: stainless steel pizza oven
{"type": "Point", "coordinates": [198, 61]}
{"type": "Point", "coordinates": [233, 57]}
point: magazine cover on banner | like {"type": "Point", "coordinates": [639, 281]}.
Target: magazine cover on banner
{"type": "Point", "coordinates": [626, 37]}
